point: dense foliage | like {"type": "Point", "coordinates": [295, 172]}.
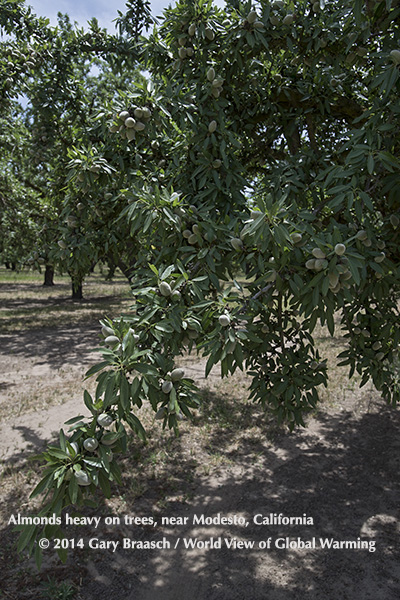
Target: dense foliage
{"type": "Point", "coordinates": [251, 190]}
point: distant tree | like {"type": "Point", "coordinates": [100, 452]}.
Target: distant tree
{"type": "Point", "coordinates": [68, 74]}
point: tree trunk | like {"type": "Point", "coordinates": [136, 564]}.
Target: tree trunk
{"type": "Point", "coordinates": [127, 270]}
{"type": "Point", "coordinates": [111, 271]}
{"type": "Point", "coordinates": [77, 291]}
{"type": "Point", "coordinates": [13, 266]}
{"type": "Point", "coordinates": [49, 276]}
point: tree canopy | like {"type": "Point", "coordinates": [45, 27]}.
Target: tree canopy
{"type": "Point", "coordinates": [250, 188]}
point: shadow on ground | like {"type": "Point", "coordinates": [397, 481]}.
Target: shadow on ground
{"type": "Point", "coordinates": [55, 347]}
{"type": "Point", "coordinates": [343, 472]}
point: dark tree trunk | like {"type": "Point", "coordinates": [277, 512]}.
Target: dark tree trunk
{"type": "Point", "coordinates": [49, 276]}
{"type": "Point", "coordinates": [111, 271]}
{"type": "Point", "coordinates": [13, 266]}
{"type": "Point", "coordinates": [127, 270]}
{"type": "Point", "coordinates": [8, 266]}
{"type": "Point", "coordinates": [77, 292]}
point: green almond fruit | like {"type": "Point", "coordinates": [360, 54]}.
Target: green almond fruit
{"type": "Point", "coordinates": [139, 126]}
{"type": "Point", "coordinates": [82, 478]}
{"type": "Point", "coordinates": [259, 25]}
{"type": "Point", "coordinates": [129, 122]}
{"type": "Point", "coordinates": [212, 126]}
{"type": "Point", "coordinates": [361, 235]}
{"type": "Point", "coordinates": [111, 340]}
{"type": "Point", "coordinates": [90, 444]}
{"type": "Point", "coordinates": [217, 164]}
{"type": "Point", "coordinates": [192, 30]}
{"type": "Point", "coordinates": [123, 115]}
{"type": "Point", "coordinates": [62, 244]}
{"type": "Point", "coordinates": [320, 264]}
{"type": "Point", "coordinates": [376, 346]}
{"type": "Point", "coordinates": [380, 258]}
{"type": "Point", "coordinates": [104, 420]}
{"type": "Point", "coordinates": [288, 20]}
{"type": "Point", "coordinates": [161, 413]}
{"type": "Point", "coordinates": [146, 113]}
{"type": "Point", "coordinates": [296, 237]}
{"type": "Point", "coordinates": [167, 387]}
{"type": "Point", "coordinates": [108, 439]}
{"type": "Point", "coordinates": [177, 374]}
{"type": "Point", "coordinates": [106, 331]}
{"type": "Point", "coordinates": [346, 276]}
{"type": "Point", "coordinates": [310, 264]}
{"type": "Point", "coordinates": [395, 56]}
{"type": "Point", "coordinates": [130, 134]}
{"type": "Point", "coordinates": [340, 249]}
{"type": "Point", "coordinates": [333, 279]}
{"type": "Point", "coordinates": [367, 243]}
{"type": "Point", "coordinates": [182, 53]}
{"type": "Point", "coordinates": [237, 244]}
{"type": "Point", "coordinates": [211, 74]}
{"type": "Point", "coordinates": [224, 320]}
{"type": "Point", "coordinates": [196, 229]}
{"type": "Point", "coordinates": [138, 112]}
{"type": "Point", "coordinates": [252, 17]}
{"type": "Point", "coordinates": [318, 253]}
{"type": "Point", "coordinates": [193, 239]}
{"type": "Point", "coordinates": [165, 289]}
{"type": "Point", "coordinates": [176, 296]}
{"type": "Point", "coordinates": [186, 233]}
{"type": "Point", "coordinates": [379, 355]}
{"type": "Point", "coordinates": [394, 221]}
{"type": "Point", "coordinates": [209, 34]}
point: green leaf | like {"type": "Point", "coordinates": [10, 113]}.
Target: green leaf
{"type": "Point", "coordinates": [27, 534]}
{"type": "Point", "coordinates": [104, 484]}
{"type": "Point", "coordinates": [145, 369]}
{"type": "Point", "coordinates": [124, 393]}
{"type": "Point", "coordinates": [136, 425]}
{"type": "Point", "coordinates": [43, 484]}
{"type": "Point", "coordinates": [73, 489]}
{"type": "Point", "coordinates": [96, 368]}
{"type": "Point", "coordinates": [88, 402]}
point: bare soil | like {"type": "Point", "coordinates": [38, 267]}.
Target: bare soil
{"type": "Point", "coordinates": [341, 471]}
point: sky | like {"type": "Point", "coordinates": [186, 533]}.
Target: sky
{"type": "Point", "coordinates": [83, 10]}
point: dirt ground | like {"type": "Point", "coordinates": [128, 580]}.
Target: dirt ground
{"type": "Point", "coordinates": [341, 474]}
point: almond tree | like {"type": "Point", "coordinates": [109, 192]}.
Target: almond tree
{"type": "Point", "coordinates": [63, 73]}
{"type": "Point", "coordinates": [260, 173]}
